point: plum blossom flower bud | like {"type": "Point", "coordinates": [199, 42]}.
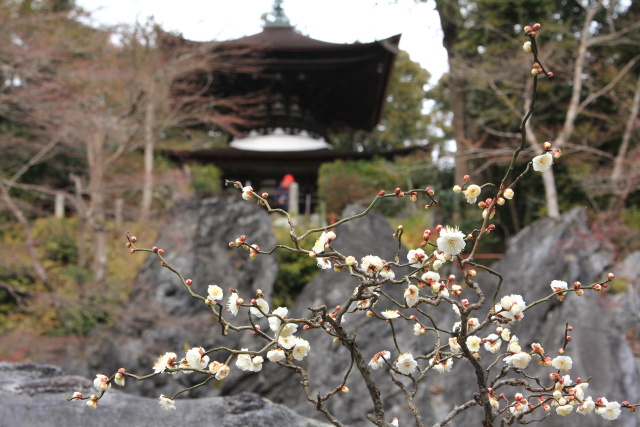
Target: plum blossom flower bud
{"type": "Point", "coordinates": [457, 189]}
{"type": "Point", "coordinates": [430, 191]}
{"type": "Point", "coordinates": [76, 395]}
{"type": "Point", "coordinates": [527, 29]}
{"type": "Point", "coordinates": [466, 178]}
{"type": "Point", "coordinates": [500, 201]}
{"type": "Point", "coordinates": [508, 193]}
{"type": "Point", "coordinates": [597, 287]}
{"type": "Point", "coordinates": [247, 193]}
{"type": "Point", "coordinates": [527, 46]}
{"type": "Point", "coordinates": [546, 146]}
{"type": "Point", "coordinates": [536, 26]}
{"type": "Point", "coordinates": [101, 383]}
{"type": "Point", "coordinates": [119, 377]}
{"type": "Point", "coordinates": [610, 276]}
{"type": "Point", "coordinates": [344, 389]}
{"type": "Point", "coordinates": [92, 403]}
{"type": "Point", "coordinates": [413, 196]}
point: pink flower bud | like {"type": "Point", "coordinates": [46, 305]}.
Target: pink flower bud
{"type": "Point", "coordinates": [133, 251]}
{"type": "Point", "coordinates": [535, 27]}
{"type": "Point", "coordinates": [133, 239]}
{"type": "Point", "coordinates": [546, 146]}
{"type": "Point", "coordinates": [579, 292]}
{"type": "Point", "coordinates": [597, 287]}
{"type": "Point", "coordinates": [472, 273]}
{"type": "Point", "coordinates": [466, 178]}
{"type": "Point", "coordinates": [491, 227]}
{"type": "Point", "coordinates": [188, 282]}
{"type": "Point", "coordinates": [344, 389]}
{"type": "Point", "coordinates": [527, 28]}
{"type": "Point", "coordinates": [430, 191]}
{"type": "Point", "coordinates": [610, 276]}
{"type": "Point", "coordinates": [161, 251]}
{"type": "Point", "coordinates": [381, 193]}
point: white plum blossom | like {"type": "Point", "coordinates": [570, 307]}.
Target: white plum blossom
{"type": "Point", "coordinates": [274, 321]}
{"type": "Point", "coordinates": [416, 257]}
{"type": "Point", "coordinates": [505, 334]}
{"type": "Point", "coordinates": [377, 361]}
{"type": "Point", "coordinates": [320, 243]}
{"type": "Point", "coordinates": [371, 264]}
{"type": "Point", "coordinates": [214, 293]}
{"type": "Point", "coordinates": [323, 263]}
{"type": "Point", "coordinates": [431, 277]}
{"type": "Point", "coordinates": [101, 383]}
{"type": "Point", "coordinates": [406, 364]}
{"type": "Point", "coordinates": [564, 410]}
{"type": "Point", "coordinates": [472, 192]}
{"type": "Point", "coordinates": [586, 407]}
{"type": "Point", "coordinates": [196, 358]}
{"type": "Point", "coordinates": [579, 389]}
{"type": "Point", "coordinates": [527, 46]}
{"type": "Point", "coordinates": [222, 372]}
{"type": "Point", "coordinates": [387, 273]}
{"type": "Point", "coordinates": [301, 349]}
{"type": "Point", "coordinates": [512, 307]}
{"type": "Point", "coordinates": [411, 295]}
{"type": "Point", "coordinates": [287, 342]}
{"type": "Point", "coordinates": [247, 192]}
{"type": "Point", "coordinates": [263, 305]}
{"type": "Point", "coordinates": [441, 367]}
{"type": "Point", "coordinates": [543, 162]}
{"type": "Point", "coordinates": [492, 343]}
{"type": "Point", "coordinates": [288, 329]}
{"type": "Point", "coordinates": [418, 329]}
{"type": "Point", "coordinates": [166, 403]}
{"type": "Point", "coordinates": [473, 343]}
{"type": "Point", "coordinates": [232, 303]}
{"type": "Point", "coordinates": [451, 241]}
{"type": "Point", "coordinates": [245, 362]}
{"type": "Point", "coordinates": [276, 355]}
{"type": "Point", "coordinates": [390, 314]}
{"type": "Point", "coordinates": [562, 363]}
{"type": "Point", "coordinates": [454, 346]}
{"type": "Point", "coordinates": [610, 411]}
{"type": "Point", "coordinates": [514, 345]}
{"type": "Point", "coordinates": [518, 360]}
{"type": "Point", "coordinates": [559, 285]}
{"type": "Point", "coordinates": [166, 361]}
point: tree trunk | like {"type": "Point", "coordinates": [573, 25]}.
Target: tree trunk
{"type": "Point", "coordinates": [149, 144]}
{"type": "Point", "coordinates": [96, 155]}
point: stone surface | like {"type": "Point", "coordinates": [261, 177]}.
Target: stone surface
{"type": "Point", "coordinates": [161, 316]}
{"type": "Point", "coordinates": [35, 395]}
{"type": "Point", "coordinates": [545, 251]}
{"type": "Point", "coordinates": [164, 318]}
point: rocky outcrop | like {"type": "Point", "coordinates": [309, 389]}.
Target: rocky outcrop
{"type": "Point", "coordinates": [35, 395]}
{"type": "Point", "coordinates": [545, 251]}
{"type": "Point", "coordinates": [161, 316]}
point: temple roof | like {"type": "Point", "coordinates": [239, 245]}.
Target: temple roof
{"type": "Point", "coordinates": [307, 84]}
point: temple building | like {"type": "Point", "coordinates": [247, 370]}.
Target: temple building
{"type": "Point", "coordinates": [304, 90]}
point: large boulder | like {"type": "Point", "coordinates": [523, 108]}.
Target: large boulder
{"type": "Point", "coordinates": [547, 250]}
{"type": "Point", "coordinates": [161, 316]}
{"type": "Point", "coordinates": [35, 395]}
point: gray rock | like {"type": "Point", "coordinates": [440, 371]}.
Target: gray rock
{"type": "Point", "coordinates": [545, 251]}
{"type": "Point", "coordinates": [161, 316]}
{"type": "Point", "coordinates": [35, 395]}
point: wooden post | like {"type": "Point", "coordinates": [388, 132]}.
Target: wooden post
{"type": "Point", "coordinates": [59, 206]}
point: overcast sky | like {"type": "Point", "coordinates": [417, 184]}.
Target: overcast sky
{"type": "Point", "coordinates": [338, 21]}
